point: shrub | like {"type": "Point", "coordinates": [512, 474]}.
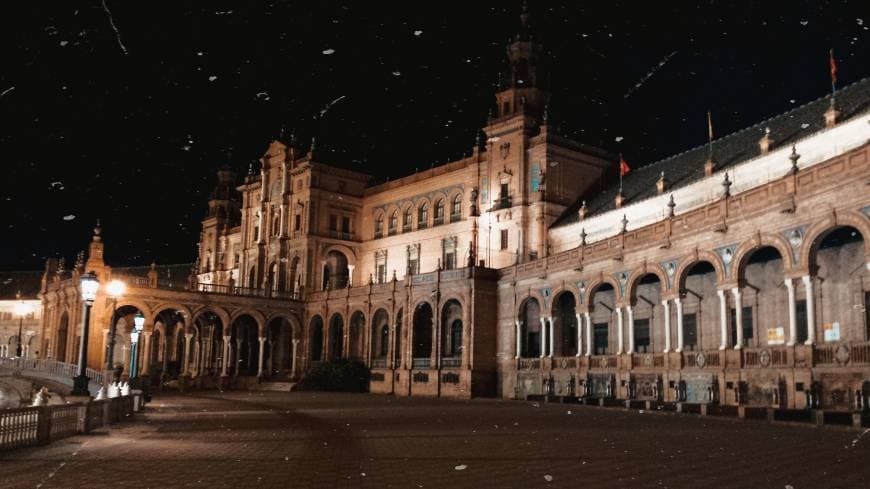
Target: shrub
{"type": "Point", "coordinates": [338, 375]}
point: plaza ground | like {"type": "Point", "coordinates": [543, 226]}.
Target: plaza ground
{"type": "Point", "coordinates": [319, 440]}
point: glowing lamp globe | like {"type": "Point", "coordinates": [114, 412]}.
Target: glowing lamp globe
{"type": "Point", "coordinates": [89, 286]}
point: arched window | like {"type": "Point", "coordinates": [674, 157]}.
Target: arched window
{"type": "Point", "coordinates": [423, 215]}
{"type": "Point", "coordinates": [394, 222]}
{"type": "Point", "coordinates": [406, 220]}
{"type": "Point", "coordinates": [379, 226]}
{"type": "Point", "coordinates": [439, 212]}
{"type": "Point", "coordinates": [456, 208]}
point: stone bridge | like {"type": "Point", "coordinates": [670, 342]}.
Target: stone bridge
{"type": "Point", "coordinates": [19, 377]}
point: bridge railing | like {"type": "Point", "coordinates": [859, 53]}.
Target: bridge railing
{"type": "Point", "coordinates": [39, 425]}
{"type": "Point", "coordinates": [51, 367]}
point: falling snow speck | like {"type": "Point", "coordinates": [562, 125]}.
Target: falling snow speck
{"type": "Point", "coordinates": [69, 217]}
{"type": "Point", "coordinates": [328, 51]}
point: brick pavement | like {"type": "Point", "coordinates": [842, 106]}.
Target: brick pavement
{"type": "Point", "coordinates": [315, 440]}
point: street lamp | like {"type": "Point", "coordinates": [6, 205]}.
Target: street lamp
{"type": "Point", "coordinates": [89, 285]}
{"type": "Point", "coordinates": [21, 310]}
{"type": "Point", "coordinates": [138, 326]}
{"type": "Point", "coordinates": [115, 289]}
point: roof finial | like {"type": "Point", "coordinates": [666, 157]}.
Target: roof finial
{"type": "Point", "coordinates": [671, 206]}
{"type": "Point", "coordinates": [583, 236]}
{"type": "Point", "coordinates": [97, 231]}
{"type": "Point", "coordinates": [794, 157]}
{"type": "Point", "coordinates": [726, 184]}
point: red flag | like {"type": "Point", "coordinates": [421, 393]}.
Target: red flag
{"type": "Point", "coordinates": [833, 67]}
{"type": "Point", "coordinates": [623, 167]}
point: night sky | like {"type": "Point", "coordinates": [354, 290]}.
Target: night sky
{"type": "Point", "coordinates": [129, 124]}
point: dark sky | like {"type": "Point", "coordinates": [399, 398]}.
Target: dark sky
{"type": "Point", "coordinates": [131, 127]}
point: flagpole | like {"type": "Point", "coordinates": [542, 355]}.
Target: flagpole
{"type": "Point", "coordinates": [833, 68]}
{"type": "Point", "coordinates": [620, 173]}
{"type": "Point", "coordinates": [709, 136]}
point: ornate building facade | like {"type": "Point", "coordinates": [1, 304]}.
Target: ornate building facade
{"type": "Point", "coordinates": [736, 273]}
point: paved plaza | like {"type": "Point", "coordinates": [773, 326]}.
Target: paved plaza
{"type": "Point", "coordinates": [317, 440]}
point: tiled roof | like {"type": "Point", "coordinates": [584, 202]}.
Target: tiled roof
{"type": "Point", "coordinates": [27, 282]}
{"type": "Point", "coordinates": [688, 167]}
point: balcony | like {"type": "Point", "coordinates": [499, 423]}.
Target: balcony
{"type": "Point", "coordinates": [529, 364]}
{"type": "Point", "coordinates": [247, 291]}
{"type": "Point", "coordinates": [603, 361]}
{"type": "Point", "coordinates": [451, 362]}
{"type": "Point", "coordinates": [703, 359]}
{"type": "Point", "coordinates": [421, 363]}
{"type": "Point", "coordinates": [842, 354]}
{"type": "Point", "coordinates": [503, 202]}
{"type": "Point", "coordinates": [379, 363]}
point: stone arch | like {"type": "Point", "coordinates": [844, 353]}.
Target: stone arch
{"type": "Point", "coordinates": [335, 335]}
{"type": "Point", "coordinates": [220, 312]}
{"type": "Point", "coordinates": [596, 284]}
{"type": "Point", "coordinates": [533, 294]}
{"type": "Point", "coordinates": [816, 233]}
{"type": "Point", "coordinates": [380, 333]}
{"type": "Point", "coordinates": [529, 313]}
{"type": "Point", "coordinates": [688, 262]}
{"type": "Point", "coordinates": [407, 212]}
{"type": "Point", "coordinates": [563, 314]}
{"type": "Point", "coordinates": [422, 332]}
{"type": "Point", "coordinates": [637, 275]}
{"type": "Point", "coordinates": [146, 311]}
{"type": "Point", "coordinates": [452, 331]}
{"type": "Point", "coordinates": [62, 336]}
{"type": "Point", "coordinates": [423, 203]}
{"type": "Point", "coordinates": [316, 341]}
{"type": "Point", "coordinates": [181, 308]}
{"type": "Point", "coordinates": [256, 315]}
{"type": "Point", "coordinates": [747, 248]}
{"type": "Point", "coordinates": [290, 318]}
{"type": "Point", "coordinates": [563, 288]}
{"type": "Point", "coordinates": [356, 333]}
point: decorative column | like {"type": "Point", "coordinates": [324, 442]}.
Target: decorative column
{"type": "Point", "coordinates": [579, 335]}
{"type": "Point", "coordinates": [237, 357]}
{"type": "Point", "coordinates": [588, 334]}
{"type": "Point", "coordinates": [262, 352]}
{"type": "Point", "coordinates": [667, 305]}
{"type": "Point", "coordinates": [679, 302]}
{"type": "Point", "coordinates": [226, 353]}
{"type": "Point", "coordinates": [630, 311]}
{"type": "Point", "coordinates": [619, 340]}
{"type": "Point", "coordinates": [550, 336]}
{"type": "Point", "coordinates": [738, 317]}
{"type": "Point", "coordinates": [792, 313]}
{"type": "Point", "coordinates": [350, 269]}
{"type": "Point", "coordinates": [293, 362]}
{"type": "Point", "coordinates": [144, 350]}
{"type": "Point", "coordinates": [187, 338]}
{"type": "Point", "coordinates": [543, 336]}
{"type": "Point", "coordinates": [519, 338]}
{"type": "Point", "coordinates": [811, 310]}
{"type": "Point", "coordinates": [723, 319]}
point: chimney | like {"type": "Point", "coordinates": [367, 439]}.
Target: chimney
{"type": "Point", "coordinates": [831, 115]}
{"type": "Point", "coordinates": [661, 184]}
{"type": "Point", "coordinates": [709, 166]}
{"type": "Point", "coordinates": [764, 142]}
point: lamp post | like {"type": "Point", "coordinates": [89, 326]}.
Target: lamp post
{"type": "Point", "coordinates": [21, 310]}
{"type": "Point", "coordinates": [139, 325]}
{"type": "Point", "coordinates": [115, 289]}
{"type": "Point", "coordinates": [88, 285]}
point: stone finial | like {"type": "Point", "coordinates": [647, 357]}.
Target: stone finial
{"type": "Point", "coordinates": [582, 212]}
{"type": "Point", "coordinates": [583, 236]}
{"type": "Point", "coordinates": [765, 142]}
{"type": "Point", "coordinates": [624, 224]}
{"type": "Point", "coordinates": [794, 157]}
{"type": "Point", "coordinates": [831, 115]}
{"type": "Point", "coordinates": [661, 184]}
{"type": "Point", "coordinates": [97, 232]}
{"type": "Point", "coordinates": [671, 206]}
{"type": "Point", "coordinates": [726, 185]}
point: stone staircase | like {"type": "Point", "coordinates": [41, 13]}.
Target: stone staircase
{"type": "Point", "coordinates": [274, 386]}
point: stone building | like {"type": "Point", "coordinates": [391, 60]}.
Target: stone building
{"type": "Point", "coordinates": [733, 273]}
{"type": "Point", "coordinates": [20, 311]}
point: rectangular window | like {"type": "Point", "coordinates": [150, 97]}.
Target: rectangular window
{"type": "Point", "coordinates": [690, 332]}
{"type": "Point", "coordinates": [449, 246]}
{"type": "Point", "coordinates": [600, 337]}
{"type": "Point", "coordinates": [801, 320]}
{"type": "Point", "coordinates": [382, 273]}
{"type": "Point", "coordinates": [345, 225]}
{"type": "Point", "coordinates": [333, 222]}
{"type": "Point", "coordinates": [503, 242]}
{"type": "Point", "coordinates": [641, 335]}
{"type": "Point", "coordinates": [297, 221]}
{"type": "Point", "coordinates": [747, 326]}
{"type": "Point", "coordinates": [413, 259]}
{"type": "Point", "coordinates": [381, 266]}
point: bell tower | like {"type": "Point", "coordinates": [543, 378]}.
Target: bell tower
{"type": "Point", "coordinates": [521, 90]}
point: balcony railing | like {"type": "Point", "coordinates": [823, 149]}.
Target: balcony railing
{"type": "Point", "coordinates": [702, 359]}
{"type": "Point", "coordinates": [451, 362]}
{"type": "Point", "coordinates": [379, 363]}
{"type": "Point", "coordinates": [607, 361]}
{"type": "Point", "coordinates": [530, 363]}
{"type": "Point", "coordinates": [421, 363]}
{"type": "Point", "coordinates": [565, 362]}
{"type": "Point", "coordinates": [247, 291]}
{"type": "Point", "coordinates": [842, 354]}
{"type": "Point", "coordinates": [503, 202]}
